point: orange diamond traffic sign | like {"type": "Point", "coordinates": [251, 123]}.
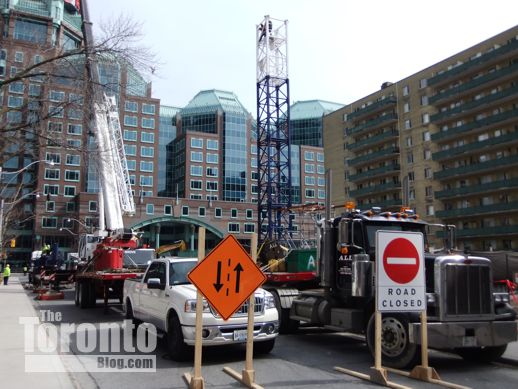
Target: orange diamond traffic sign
{"type": "Point", "coordinates": [227, 277]}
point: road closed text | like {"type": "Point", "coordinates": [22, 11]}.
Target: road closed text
{"type": "Point", "coordinates": [401, 299]}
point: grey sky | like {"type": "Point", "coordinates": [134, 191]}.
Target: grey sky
{"type": "Point", "coordinates": [339, 50]}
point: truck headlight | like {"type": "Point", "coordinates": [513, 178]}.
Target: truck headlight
{"type": "Point", "coordinates": [190, 306]}
{"type": "Point", "coordinates": [269, 301]}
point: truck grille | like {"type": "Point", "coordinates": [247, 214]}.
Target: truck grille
{"type": "Point", "coordinates": [467, 289]}
{"type": "Point", "coordinates": [243, 310]}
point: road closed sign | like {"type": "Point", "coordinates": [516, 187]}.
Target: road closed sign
{"type": "Point", "coordinates": [400, 280]}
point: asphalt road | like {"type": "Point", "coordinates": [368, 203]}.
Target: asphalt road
{"type": "Point", "coordinates": [302, 360]}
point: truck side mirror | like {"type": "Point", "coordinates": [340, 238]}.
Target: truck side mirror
{"type": "Point", "coordinates": [154, 283]}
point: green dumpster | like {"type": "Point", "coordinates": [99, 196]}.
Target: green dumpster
{"type": "Point", "coordinates": [301, 260]}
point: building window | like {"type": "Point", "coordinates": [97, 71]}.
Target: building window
{"type": "Point", "coordinates": [424, 100]}
{"type": "Point", "coordinates": [427, 154]}
{"type": "Point", "coordinates": [320, 157]}
{"type": "Point", "coordinates": [409, 141]}
{"type": "Point", "coordinates": [53, 157]}
{"type": "Point", "coordinates": [309, 168]}
{"type": "Point", "coordinates": [428, 191]}
{"type": "Point", "coordinates": [70, 191]}
{"type": "Point", "coordinates": [309, 180]}
{"type": "Point", "coordinates": [147, 151]}
{"type": "Point", "coordinates": [146, 166]}
{"type": "Point", "coordinates": [196, 184]}
{"type": "Point", "coordinates": [147, 137]}
{"type": "Point", "coordinates": [72, 175]}
{"type": "Point", "coordinates": [130, 121]}
{"type": "Point", "coordinates": [430, 210]}
{"type": "Point", "coordinates": [34, 90]}
{"type": "Point", "coordinates": [148, 108]}
{"type": "Point", "coordinates": [71, 206]}
{"type": "Point", "coordinates": [320, 169]}
{"type": "Point", "coordinates": [132, 164]}
{"type": "Point", "coordinates": [212, 158]}
{"type": "Point", "coordinates": [196, 143]}
{"type": "Point", "coordinates": [146, 180]}
{"type": "Point", "coordinates": [150, 209]}
{"type": "Point", "coordinates": [201, 211]}
{"type": "Point", "coordinates": [423, 83]}
{"type": "Point", "coordinates": [212, 172]}
{"type": "Point", "coordinates": [56, 111]}
{"type": "Point", "coordinates": [75, 114]}
{"type": "Point", "coordinates": [196, 170]}
{"type": "Point", "coordinates": [427, 172]}
{"type": "Point", "coordinates": [17, 87]}
{"type": "Point", "coordinates": [18, 56]}
{"type": "Point", "coordinates": [168, 209]}
{"type": "Point", "coordinates": [211, 186]}
{"type": "Point", "coordinates": [75, 129]}
{"type": "Point", "coordinates": [185, 210]}
{"type": "Point", "coordinates": [233, 227]}
{"type": "Point", "coordinates": [52, 174]}
{"type": "Point", "coordinates": [196, 156]}
{"type": "Point", "coordinates": [212, 144]}
{"type": "Point", "coordinates": [408, 124]}
{"type": "Point", "coordinates": [426, 136]}
{"type": "Point", "coordinates": [74, 143]}
{"type": "Point", "coordinates": [425, 118]}
{"type": "Point", "coordinates": [52, 190]}
{"type": "Point", "coordinates": [310, 193]}
{"type": "Point", "coordinates": [49, 222]}
{"type": "Point", "coordinates": [55, 127]}
{"type": "Point", "coordinates": [218, 212]}
{"type": "Point", "coordinates": [249, 228]}
{"type": "Point", "coordinates": [406, 90]}
{"type": "Point", "coordinates": [411, 194]}
{"type": "Point", "coordinates": [15, 101]}
{"type": "Point", "coordinates": [411, 176]}
{"type": "Point", "coordinates": [233, 213]}
{"type": "Point", "coordinates": [309, 156]}
{"type": "Point", "coordinates": [73, 160]}
{"type": "Point", "coordinates": [406, 107]}
{"type": "Point", "coordinates": [50, 206]}
{"type": "Point", "coordinates": [131, 106]}
{"type": "Point", "coordinates": [57, 96]}
{"type": "Point", "coordinates": [148, 123]}
{"type": "Point", "coordinates": [130, 135]}
{"type": "Point", "coordinates": [92, 206]}
{"type": "Point", "coordinates": [321, 181]}
{"type": "Point", "coordinates": [321, 194]}
{"type": "Point", "coordinates": [249, 213]}
{"type": "Point", "coordinates": [255, 176]}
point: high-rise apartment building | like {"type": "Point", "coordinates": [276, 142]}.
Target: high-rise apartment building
{"type": "Point", "coordinates": [443, 141]}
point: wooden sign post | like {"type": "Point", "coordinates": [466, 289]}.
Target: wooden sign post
{"type": "Point", "coordinates": [197, 382]}
{"type": "Point", "coordinates": [247, 377]}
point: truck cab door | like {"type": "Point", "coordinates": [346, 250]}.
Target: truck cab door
{"type": "Point", "coordinates": [158, 298]}
{"type": "Point", "coordinates": [145, 302]}
{"type": "Point", "coordinates": [353, 238]}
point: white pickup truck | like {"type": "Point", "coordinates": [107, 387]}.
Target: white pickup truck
{"type": "Point", "coordinates": [165, 297]}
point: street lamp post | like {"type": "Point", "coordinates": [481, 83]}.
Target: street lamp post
{"type": "Point", "coordinates": [2, 202]}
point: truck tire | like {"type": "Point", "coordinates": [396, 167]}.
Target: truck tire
{"type": "Point", "coordinates": [178, 350]}
{"type": "Point", "coordinates": [286, 325]}
{"type": "Point", "coordinates": [92, 297]}
{"type": "Point", "coordinates": [76, 295]}
{"type": "Point", "coordinates": [396, 349]}
{"type": "Point", "coordinates": [264, 347]}
{"type": "Point", "coordinates": [481, 354]}
{"type": "Point", "coordinates": [83, 294]}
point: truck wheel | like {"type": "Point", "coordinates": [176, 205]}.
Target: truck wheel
{"type": "Point", "coordinates": [286, 325]}
{"type": "Point", "coordinates": [481, 354]}
{"type": "Point", "coordinates": [92, 297]}
{"type": "Point", "coordinates": [396, 349]}
{"type": "Point", "coordinates": [177, 348]}
{"type": "Point", "coordinates": [264, 347]}
{"type": "Point", "coordinates": [83, 295]}
{"type": "Point", "coordinates": [76, 295]}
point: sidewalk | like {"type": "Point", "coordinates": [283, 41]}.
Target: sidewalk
{"type": "Point", "coordinates": [14, 304]}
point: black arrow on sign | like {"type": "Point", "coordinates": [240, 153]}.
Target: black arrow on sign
{"type": "Point", "coordinates": [238, 269]}
{"type": "Point", "coordinates": [218, 285]}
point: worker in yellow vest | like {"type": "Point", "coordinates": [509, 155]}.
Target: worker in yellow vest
{"type": "Point", "coordinates": [7, 274]}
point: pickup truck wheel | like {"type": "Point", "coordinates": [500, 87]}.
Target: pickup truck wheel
{"type": "Point", "coordinates": [396, 349]}
{"type": "Point", "coordinates": [481, 354]}
{"type": "Point", "coordinates": [286, 325]}
{"type": "Point", "coordinates": [177, 348]}
{"type": "Point", "coordinates": [264, 347]}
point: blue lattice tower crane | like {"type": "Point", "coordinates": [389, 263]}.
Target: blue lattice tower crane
{"type": "Point", "coordinates": [273, 133]}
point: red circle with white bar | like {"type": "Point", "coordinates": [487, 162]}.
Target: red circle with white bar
{"type": "Point", "coordinates": [401, 261]}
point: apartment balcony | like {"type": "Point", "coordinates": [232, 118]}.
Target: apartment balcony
{"type": "Point", "coordinates": [487, 232]}
{"type": "Point", "coordinates": [371, 124]}
{"type": "Point", "coordinates": [73, 20]}
{"type": "Point", "coordinates": [478, 168]}
{"type": "Point", "coordinates": [372, 157]}
{"type": "Point", "coordinates": [483, 103]}
{"type": "Point", "coordinates": [474, 64]}
{"type": "Point", "coordinates": [373, 140]}
{"type": "Point", "coordinates": [489, 187]}
{"type": "Point", "coordinates": [32, 7]}
{"type": "Point", "coordinates": [375, 107]}
{"type": "Point", "coordinates": [476, 146]}
{"type": "Point", "coordinates": [387, 204]}
{"type": "Point", "coordinates": [472, 86]}
{"type": "Point", "coordinates": [511, 115]}
{"type": "Point", "coordinates": [381, 171]}
{"type": "Point", "coordinates": [376, 189]}
{"type": "Point", "coordinates": [476, 211]}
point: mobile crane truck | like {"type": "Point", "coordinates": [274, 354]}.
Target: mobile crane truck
{"type": "Point", "coordinates": [466, 314]}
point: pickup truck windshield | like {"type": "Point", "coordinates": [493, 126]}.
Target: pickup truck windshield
{"type": "Point", "coordinates": [178, 272]}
